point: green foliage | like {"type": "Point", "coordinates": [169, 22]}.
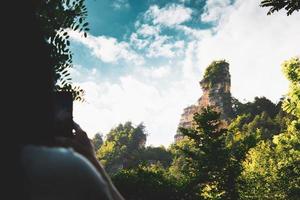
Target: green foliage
{"type": "Point", "coordinates": [212, 191]}
{"type": "Point", "coordinates": [271, 170]}
{"type": "Point", "coordinates": [56, 19]}
{"type": "Point", "coordinates": [205, 153]}
{"type": "Point", "coordinates": [183, 168]}
{"type": "Point", "coordinates": [259, 105]}
{"type": "Point", "coordinates": [257, 120]}
{"type": "Point", "coordinates": [291, 69]}
{"type": "Point", "coordinates": [215, 71]}
{"type": "Point", "coordinates": [262, 126]}
{"type": "Point", "coordinates": [275, 5]}
{"type": "Point", "coordinates": [145, 183]}
{"type": "Point", "coordinates": [245, 132]}
{"type": "Point", "coordinates": [256, 157]}
{"type": "Point", "coordinates": [155, 155]}
{"type": "Point", "coordinates": [97, 141]}
{"type": "Point", "coordinates": [241, 137]}
{"type": "Point", "coordinates": [122, 147]}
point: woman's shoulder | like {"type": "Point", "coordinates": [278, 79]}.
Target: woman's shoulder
{"type": "Point", "coordinates": [58, 160]}
{"type": "Point", "coordinates": [35, 154]}
{"type": "Point", "coordinates": [58, 170]}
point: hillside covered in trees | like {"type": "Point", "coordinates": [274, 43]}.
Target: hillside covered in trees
{"type": "Point", "coordinates": [254, 155]}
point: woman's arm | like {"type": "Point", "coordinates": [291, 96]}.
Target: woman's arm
{"type": "Point", "coordinates": [82, 144]}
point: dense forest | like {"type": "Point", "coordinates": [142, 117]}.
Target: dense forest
{"type": "Point", "coordinates": [256, 155]}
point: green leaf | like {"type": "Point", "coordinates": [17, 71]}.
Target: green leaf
{"type": "Point", "coordinates": [76, 27]}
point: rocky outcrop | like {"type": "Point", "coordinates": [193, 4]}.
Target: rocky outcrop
{"type": "Point", "coordinates": [216, 93]}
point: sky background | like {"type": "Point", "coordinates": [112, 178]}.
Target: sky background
{"type": "Point", "coordinates": [143, 59]}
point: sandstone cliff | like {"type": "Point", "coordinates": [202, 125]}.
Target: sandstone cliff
{"type": "Point", "coordinates": [216, 92]}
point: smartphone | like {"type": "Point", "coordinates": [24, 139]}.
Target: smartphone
{"type": "Point", "coordinates": [63, 114]}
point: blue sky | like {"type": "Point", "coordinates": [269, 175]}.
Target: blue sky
{"type": "Point", "coordinates": [143, 59]}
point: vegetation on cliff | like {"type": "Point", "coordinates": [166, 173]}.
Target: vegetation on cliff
{"type": "Point", "coordinates": [256, 157]}
{"type": "Point", "coordinates": [272, 168]}
{"type": "Point", "coordinates": [216, 72]}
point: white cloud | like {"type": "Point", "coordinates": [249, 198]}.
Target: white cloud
{"type": "Point", "coordinates": [133, 100]}
{"type": "Point", "coordinates": [170, 15]}
{"type": "Point", "coordinates": [138, 42]}
{"type": "Point", "coordinates": [80, 73]}
{"type": "Point", "coordinates": [253, 43]}
{"type": "Point", "coordinates": [214, 10]}
{"type": "Point", "coordinates": [137, 98]}
{"type": "Point", "coordinates": [120, 4]}
{"type": "Point", "coordinates": [108, 49]}
{"type": "Point", "coordinates": [162, 46]}
{"type": "Point", "coordinates": [149, 39]}
{"type": "Point", "coordinates": [161, 72]}
{"type": "Point", "coordinates": [255, 46]}
{"type": "Point", "coordinates": [148, 30]}
{"type": "Point", "coordinates": [195, 34]}
{"type": "Point", "coordinates": [154, 72]}
{"type": "Point", "coordinates": [190, 68]}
